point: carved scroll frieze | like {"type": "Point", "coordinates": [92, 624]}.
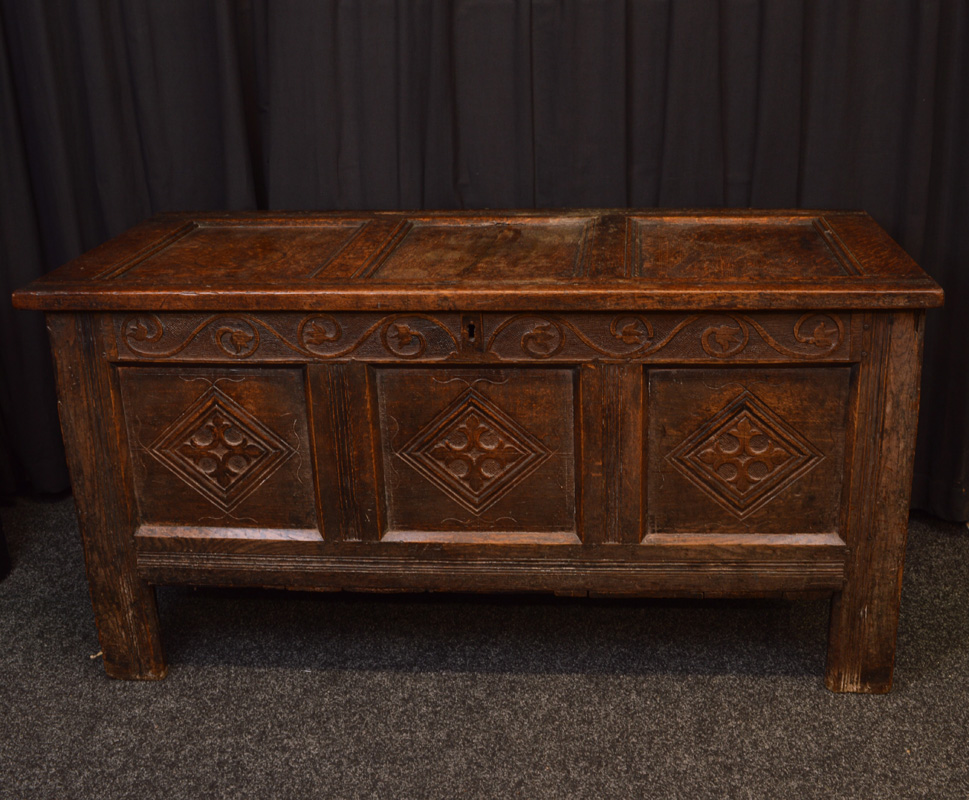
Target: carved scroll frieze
{"type": "Point", "coordinates": [287, 336]}
{"type": "Point", "coordinates": [711, 337]}
{"type": "Point", "coordinates": [524, 337]}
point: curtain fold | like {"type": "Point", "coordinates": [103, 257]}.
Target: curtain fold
{"type": "Point", "coordinates": [112, 111]}
{"type": "Point", "coordinates": [31, 453]}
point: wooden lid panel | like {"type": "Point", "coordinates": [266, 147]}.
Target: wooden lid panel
{"type": "Point", "coordinates": [513, 260]}
{"type": "Point", "coordinates": [515, 249]}
{"type": "Point", "coordinates": [222, 253]}
{"type": "Point", "coordinates": [730, 249]}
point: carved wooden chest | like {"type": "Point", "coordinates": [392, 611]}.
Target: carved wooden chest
{"type": "Point", "coordinates": [585, 402]}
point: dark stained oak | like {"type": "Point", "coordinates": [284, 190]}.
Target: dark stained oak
{"type": "Point", "coordinates": [602, 403]}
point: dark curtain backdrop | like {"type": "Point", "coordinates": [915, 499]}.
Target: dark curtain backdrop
{"type": "Point", "coordinates": [111, 111]}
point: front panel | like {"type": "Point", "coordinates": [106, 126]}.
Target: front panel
{"type": "Point", "coordinates": [219, 447]}
{"type": "Point", "coordinates": [469, 452]}
{"type": "Point", "coordinates": [654, 453]}
{"type": "Point", "coordinates": [746, 450]}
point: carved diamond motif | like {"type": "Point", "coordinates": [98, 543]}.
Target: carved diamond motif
{"type": "Point", "coordinates": [220, 450]}
{"type": "Point", "coordinates": [745, 456]}
{"type": "Point", "coordinates": [474, 452]}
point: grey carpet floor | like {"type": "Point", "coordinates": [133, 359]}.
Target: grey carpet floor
{"type": "Point", "coordinates": [424, 696]}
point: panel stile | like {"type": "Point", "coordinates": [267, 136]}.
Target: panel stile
{"type": "Point", "coordinates": [864, 616]}
{"type": "Point", "coordinates": [124, 603]}
{"type": "Point", "coordinates": [611, 465]}
{"type": "Point", "coordinates": [345, 446]}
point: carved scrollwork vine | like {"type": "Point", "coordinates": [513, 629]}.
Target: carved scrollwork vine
{"type": "Point", "coordinates": [530, 336]}
{"type": "Point", "coordinates": [143, 328]}
{"type": "Point", "coordinates": [823, 339]}
{"type": "Point", "coordinates": [234, 336]}
{"type": "Point", "coordinates": [318, 331]}
{"type": "Point", "coordinates": [237, 338]}
{"type": "Point", "coordinates": [543, 340]}
{"type": "Point", "coordinates": [546, 336]}
{"type": "Point", "coordinates": [821, 336]}
{"type": "Point", "coordinates": [403, 340]}
{"type": "Point", "coordinates": [726, 339]}
{"type": "Point", "coordinates": [719, 335]}
{"type": "Point", "coordinates": [320, 335]}
{"type": "Point", "coordinates": [635, 329]}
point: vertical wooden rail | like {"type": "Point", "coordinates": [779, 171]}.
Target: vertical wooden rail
{"type": "Point", "coordinates": [611, 452]}
{"type": "Point", "coordinates": [864, 616]}
{"type": "Point", "coordinates": [341, 406]}
{"type": "Point", "coordinates": [124, 605]}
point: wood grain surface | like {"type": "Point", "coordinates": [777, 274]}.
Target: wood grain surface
{"type": "Point", "coordinates": [510, 260]}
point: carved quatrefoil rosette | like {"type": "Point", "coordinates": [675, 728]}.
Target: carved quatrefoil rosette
{"type": "Point", "coordinates": [744, 456]}
{"type": "Point", "coordinates": [220, 450]}
{"type": "Point", "coordinates": [474, 452]}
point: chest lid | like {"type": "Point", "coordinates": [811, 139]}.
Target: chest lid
{"type": "Point", "coordinates": [510, 260]}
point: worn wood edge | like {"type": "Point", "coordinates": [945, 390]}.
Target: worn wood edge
{"type": "Point", "coordinates": [779, 540]}
{"type": "Point", "coordinates": [484, 537]}
{"type": "Point", "coordinates": [498, 574]}
{"type": "Point", "coordinates": [210, 532]}
{"type": "Point", "coordinates": [684, 547]}
{"type": "Point", "coordinates": [122, 674]}
{"type": "Point", "coordinates": [711, 594]}
{"type": "Point", "coordinates": [815, 563]}
{"type": "Point", "coordinates": [623, 295]}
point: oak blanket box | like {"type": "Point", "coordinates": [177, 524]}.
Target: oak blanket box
{"type": "Point", "coordinates": [608, 402]}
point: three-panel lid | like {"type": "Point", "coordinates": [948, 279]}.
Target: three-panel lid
{"type": "Point", "coordinates": [578, 260]}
